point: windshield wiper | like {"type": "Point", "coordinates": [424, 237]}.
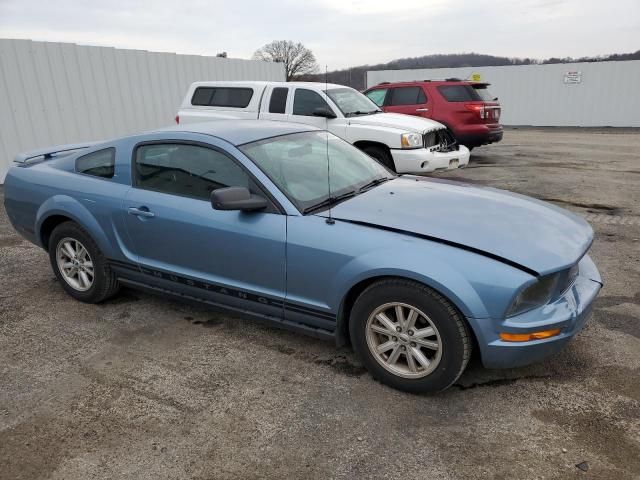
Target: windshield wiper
{"type": "Point", "coordinates": [358, 112]}
{"type": "Point", "coordinates": [330, 201]}
{"type": "Point", "coordinates": [373, 183]}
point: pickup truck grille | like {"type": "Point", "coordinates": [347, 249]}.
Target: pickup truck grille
{"type": "Point", "coordinates": [440, 141]}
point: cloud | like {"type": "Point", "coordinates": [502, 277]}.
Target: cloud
{"type": "Point", "coordinates": [340, 32]}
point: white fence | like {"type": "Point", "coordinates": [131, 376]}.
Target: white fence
{"type": "Point", "coordinates": [573, 94]}
{"type": "Point", "coordinates": [56, 93]}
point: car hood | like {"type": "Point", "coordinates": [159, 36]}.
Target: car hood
{"type": "Point", "coordinates": [395, 120]}
{"type": "Point", "coordinates": [513, 228]}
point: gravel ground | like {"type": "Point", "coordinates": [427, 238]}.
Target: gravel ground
{"type": "Point", "coordinates": [146, 388]}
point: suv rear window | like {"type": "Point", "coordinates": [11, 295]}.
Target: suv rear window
{"type": "Point", "coordinates": [222, 97]}
{"type": "Point", "coordinates": [407, 96]}
{"type": "Point", "coordinates": [459, 93]}
{"type": "Point", "coordinates": [484, 93]}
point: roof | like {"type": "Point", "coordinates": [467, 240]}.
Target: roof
{"type": "Point", "coordinates": [230, 83]}
{"type": "Point", "coordinates": [238, 132]}
{"type": "Point", "coordinates": [437, 81]}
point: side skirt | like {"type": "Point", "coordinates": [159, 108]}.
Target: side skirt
{"type": "Point", "coordinates": [238, 312]}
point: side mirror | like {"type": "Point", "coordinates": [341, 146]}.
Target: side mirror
{"type": "Point", "coordinates": [325, 112]}
{"type": "Point", "coordinates": [236, 198]}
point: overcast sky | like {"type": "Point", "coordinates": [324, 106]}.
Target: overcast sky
{"type": "Point", "coordinates": [341, 33]}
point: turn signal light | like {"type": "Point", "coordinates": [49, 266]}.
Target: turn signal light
{"type": "Point", "coordinates": [526, 337]}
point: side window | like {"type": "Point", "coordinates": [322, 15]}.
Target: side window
{"type": "Point", "coordinates": [306, 101]}
{"type": "Point", "coordinates": [278, 102]}
{"type": "Point", "coordinates": [222, 97]}
{"type": "Point", "coordinates": [377, 96]}
{"type": "Point", "coordinates": [100, 164]}
{"type": "Point", "coordinates": [422, 98]}
{"type": "Point", "coordinates": [406, 96]}
{"type": "Point", "coordinates": [187, 170]}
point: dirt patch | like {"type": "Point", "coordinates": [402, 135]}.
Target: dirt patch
{"type": "Point", "coordinates": [592, 207]}
{"type": "Point", "coordinates": [621, 322]}
{"type": "Point", "coordinates": [600, 433]}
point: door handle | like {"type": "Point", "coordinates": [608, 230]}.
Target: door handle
{"type": "Point", "coordinates": [141, 212]}
{"type": "Point", "coordinates": [422, 109]}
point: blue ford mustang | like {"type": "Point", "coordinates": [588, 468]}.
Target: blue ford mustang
{"type": "Point", "coordinates": [287, 223]}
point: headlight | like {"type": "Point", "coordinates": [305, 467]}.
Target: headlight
{"type": "Point", "coordinates": [411, 140]}
{"type": "Point", "coordinates": [535, 295]}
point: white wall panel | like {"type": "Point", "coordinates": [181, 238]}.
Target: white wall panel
{"type": "Point", "coordinates": [56, 93]}
{"type": "Point", "coordinates": [608, 95]}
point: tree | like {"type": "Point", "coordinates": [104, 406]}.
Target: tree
{"type": "Point", "coordinates": [297, 59]}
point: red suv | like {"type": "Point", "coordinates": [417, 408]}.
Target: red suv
{"type": "Point", "coordinates": [466, 108]}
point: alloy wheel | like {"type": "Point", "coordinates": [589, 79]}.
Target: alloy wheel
{"type": "Point", "coordinates": [75, 264]}
{"type": "Point", "coordinates": [403, 340]}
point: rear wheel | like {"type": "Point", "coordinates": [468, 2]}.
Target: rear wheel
{"type": "Point", "coordinates": [409, 336]}
{"type": "Point", "coordinates": [380, 154]}
{"type": "Point", "coordinates": [79, 265]}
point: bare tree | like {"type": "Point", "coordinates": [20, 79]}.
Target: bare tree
{"type": "Point", "coordinates": [297, 59]}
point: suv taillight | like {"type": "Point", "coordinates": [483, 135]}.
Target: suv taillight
{"type": "Point", "coordinates": [477, 108]}
{"type": "Point", "coordinates": [178, 119]}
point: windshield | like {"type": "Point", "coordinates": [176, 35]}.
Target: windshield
{"type": "Point", "coordinates": [351, 102]}
{"type": "Point", "coordinates": [297, 164]}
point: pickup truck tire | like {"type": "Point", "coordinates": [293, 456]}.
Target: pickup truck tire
{"type": "Point", "coordinates": [409, 336]}
{"type": "Point", "coordinates": [381, 155]}
{"type": "Point", "coordinates": [79, 265]}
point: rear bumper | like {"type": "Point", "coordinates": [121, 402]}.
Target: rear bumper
{"type": "Point", "coordinates": [569, 314]}
{"type": "Point", "coordinates": [422, 160]}
{"type": "Point", "coordinates": [476, 135]}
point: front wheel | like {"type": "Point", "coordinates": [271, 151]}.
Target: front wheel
{"type": "Point", "coordinates": [409, 336]}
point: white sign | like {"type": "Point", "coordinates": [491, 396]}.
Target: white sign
{"type": "Point", "coordinates": [573, 77]}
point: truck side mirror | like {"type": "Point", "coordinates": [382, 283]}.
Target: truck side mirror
{"type": "Point", "coordinates": [325, 112]}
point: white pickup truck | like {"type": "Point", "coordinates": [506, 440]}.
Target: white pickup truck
{"type": "Point", "coordinates": [404, 143]}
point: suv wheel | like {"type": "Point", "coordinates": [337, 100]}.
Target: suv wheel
{"type": "Point", "coordinates": [409, 337]}
{"type": "Point", "coordinates": [79, 265]}
{"type": "Point", "coordinates": [381, 155]}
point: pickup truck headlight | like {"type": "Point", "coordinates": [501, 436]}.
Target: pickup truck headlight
{"type": "Point", "coordinates": [535, 295]}
{"type": "Point", "coordinates": [411, 140]}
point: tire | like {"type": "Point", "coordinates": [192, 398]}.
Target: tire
{"type": "Point", "coordinates": [103, 283]}
{"type": "Point", "coordinates": [433, 313]}
{"type": "Point", "coordinates": [381, 155]}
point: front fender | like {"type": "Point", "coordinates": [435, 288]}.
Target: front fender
{"type": "Point", "coordinates": [478, 286]}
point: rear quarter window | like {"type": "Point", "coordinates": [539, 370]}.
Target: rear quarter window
{"type": "Point", "coordinates": [459, 93]}
{"type": "Point", "coordinates": [99, 164]}
{"type": "Point", "coordinates": [222, 97]}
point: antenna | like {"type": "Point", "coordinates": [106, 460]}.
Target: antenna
{"type": "Point", "coordinates": [329, 220]}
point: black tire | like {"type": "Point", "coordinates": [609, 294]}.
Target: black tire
{"type": "Point", "coordinates": [104, 283]}
{"type": "Point", "coordinates": [380, 154]}
{"type": "Point", "coordinates": [453, 335]}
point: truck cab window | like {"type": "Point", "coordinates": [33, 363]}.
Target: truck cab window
{"type": "Point", "coordinates": [306, 101]}
{"type": "Point", "coordinates": [278, 102]}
